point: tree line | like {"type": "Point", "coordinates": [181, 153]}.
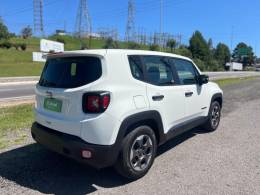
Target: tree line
{"type": "Point", "coordinates": [204, 54]}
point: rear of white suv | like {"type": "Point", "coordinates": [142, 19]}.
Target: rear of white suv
{"type": "Point", "coordinates": [69, 98]}
{"type": "Point", "coordinates": [106, 107]}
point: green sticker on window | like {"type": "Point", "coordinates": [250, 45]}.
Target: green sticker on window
{"type": "Point", "coordinates": [73, 69]}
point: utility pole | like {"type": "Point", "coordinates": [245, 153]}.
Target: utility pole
{"type": "Point", "coordinates": [161, 16]}
{"type": "Point", "coordinates": [65, 26]}
{"type": "Point", "coordinates": [231, 43]}
{"type": "Point", "coordinates": [161, 22]}
{"type": "Point", "coordinates": [130, 26]}
{"type": "Point", "coordinates": [38, 17]}
{"type": "Point", "coordinates": [232, 37]}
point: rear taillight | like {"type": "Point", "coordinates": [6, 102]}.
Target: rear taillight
{"type": "Point", "coordinates": [95, 102]}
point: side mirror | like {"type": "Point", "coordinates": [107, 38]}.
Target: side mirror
{"type": "Point", "coordinates": [203, 79]}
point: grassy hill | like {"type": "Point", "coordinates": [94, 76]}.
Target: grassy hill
{"type": "Point", "coordinates": [19, 63]}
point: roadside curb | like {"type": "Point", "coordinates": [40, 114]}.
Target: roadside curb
{"type": "Point", "coordinates": [18, 83]}
{"type": "Point", "coordinates": [32, 79]}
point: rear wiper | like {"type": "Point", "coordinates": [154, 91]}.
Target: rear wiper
{"type": "Point", "coordinates": [50, 84]}
{"type": "Point", "coordinates": [47, 83]}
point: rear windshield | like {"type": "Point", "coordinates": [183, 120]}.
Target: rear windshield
{"type": "Point", "coordinates": [70, 72]}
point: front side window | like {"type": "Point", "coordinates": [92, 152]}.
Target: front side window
{"type": "Point", "coordinates": [186, 72]}
{"type": "Point", "coordinates": [158, 72]}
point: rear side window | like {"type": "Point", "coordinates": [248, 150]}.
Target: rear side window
{"type": "Point", "coordinates": [186, 72]}
{"type": "Point", "coordinates": [136, 67]}
{"type": "Point", "coordinates": [70, 72]}
{"type": "Point", "coordinates": [158, 71]}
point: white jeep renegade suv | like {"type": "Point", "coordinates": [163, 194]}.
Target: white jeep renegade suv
{"type": "Point", "coordinates": [115, 107]}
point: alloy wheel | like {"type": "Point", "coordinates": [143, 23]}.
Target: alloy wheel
{"type": "Point", "coordinates": [215, 116]}
{"type": "Point", "coordinates": [141, 152]}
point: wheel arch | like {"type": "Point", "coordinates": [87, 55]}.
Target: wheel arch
{"type": "Point", "coordinates": [149, 118]}
{"type": "Point", "coordinates": [217, 97]}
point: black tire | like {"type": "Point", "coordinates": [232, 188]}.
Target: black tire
{"type": "Point", "coordinates": [124, 165]}
{"type": "Point", "coordinates": [212, 122]}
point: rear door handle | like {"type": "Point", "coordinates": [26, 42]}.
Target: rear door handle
{"type": "Point", "coordinates": [158, 97]}
{"type": "Point", "coordinates": [188, 94]}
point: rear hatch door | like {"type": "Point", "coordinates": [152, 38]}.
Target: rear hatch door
{"type": "Point", "coordinates": [59, 92]}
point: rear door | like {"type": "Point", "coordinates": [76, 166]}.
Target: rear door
{"type": "Point", "coordinates": [60, 90]}
{"type": "Point", "coordinates": [162, 93]}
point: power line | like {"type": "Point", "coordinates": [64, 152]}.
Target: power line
{"type": "Point", "coordinates": [142, 8]}
{"type": "Point", "coordinates": [30, 8]}
{"type": "Point", "coordinates": [148, 5]}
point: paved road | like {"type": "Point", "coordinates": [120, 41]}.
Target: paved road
{"type": "Point", "coordinates": [19, 79]}
{"type": "Point", "coordinates": [223, 162]}
{"type": "Point", "coordinates": [16, 91]}
{"type": "Point", "coordinates": [22, 88]}
{"type": "Point", "coordinates": [225, 75]}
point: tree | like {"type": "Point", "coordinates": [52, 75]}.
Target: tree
{"type": "Point", "coordinates": [244, 54]}
{"type": "Point", "coordinates": [26, 32]}
{"type": "Point", "coordinates": [154, 47]}
{"type": "Point", "coordinates": [4, 33]}
{"type": "Point", "coordinates": [199, 47]}
{"type": "Point", "coordinates": [6, 44]}
{"type": "Point", "coordinates": [111, 44]}
{"type": "Point", "coordinates": [210, 44]}
{"type": "Point", "coordinates": [61, 40]}
{"type": "Point", "coordinates": [222, 54]}
{"type": "Point", "coordinates": [133, 45]}
{"type": "Point", "coordinates": [23, 46]}
{"type": "Point", "coordinates": [171, 44]}
{"type": "Point", "coordinates": [184, 51]}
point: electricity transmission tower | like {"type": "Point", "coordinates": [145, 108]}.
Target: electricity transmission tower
{"type": "Point", "coordinates": [83, 22]}
{"type": "Point", "coordinates": [38, 17]}
{"type": "Point", "coordinates": [130, 26]}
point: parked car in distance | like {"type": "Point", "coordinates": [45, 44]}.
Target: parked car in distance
{"type": "Point", "coordinates": [115, 107]}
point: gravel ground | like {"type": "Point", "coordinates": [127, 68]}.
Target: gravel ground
{"type": "Point", "coordinates": [223, 162]}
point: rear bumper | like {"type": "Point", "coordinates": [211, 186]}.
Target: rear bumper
{"type": "Point", "coordinates": [72, 146]}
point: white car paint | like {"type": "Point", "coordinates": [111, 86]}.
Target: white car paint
{"type": "Point", "coordinates": [128, 96]}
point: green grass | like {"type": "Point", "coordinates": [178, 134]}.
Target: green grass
{"type": "Point", "coordinates": [224, 82]}
{"type": "Point", "coordinates": [16, 66]}
{"type": "Point", "coordinates": [19, 63]}
{"type": "Point", "coordinates": [13, 121]}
